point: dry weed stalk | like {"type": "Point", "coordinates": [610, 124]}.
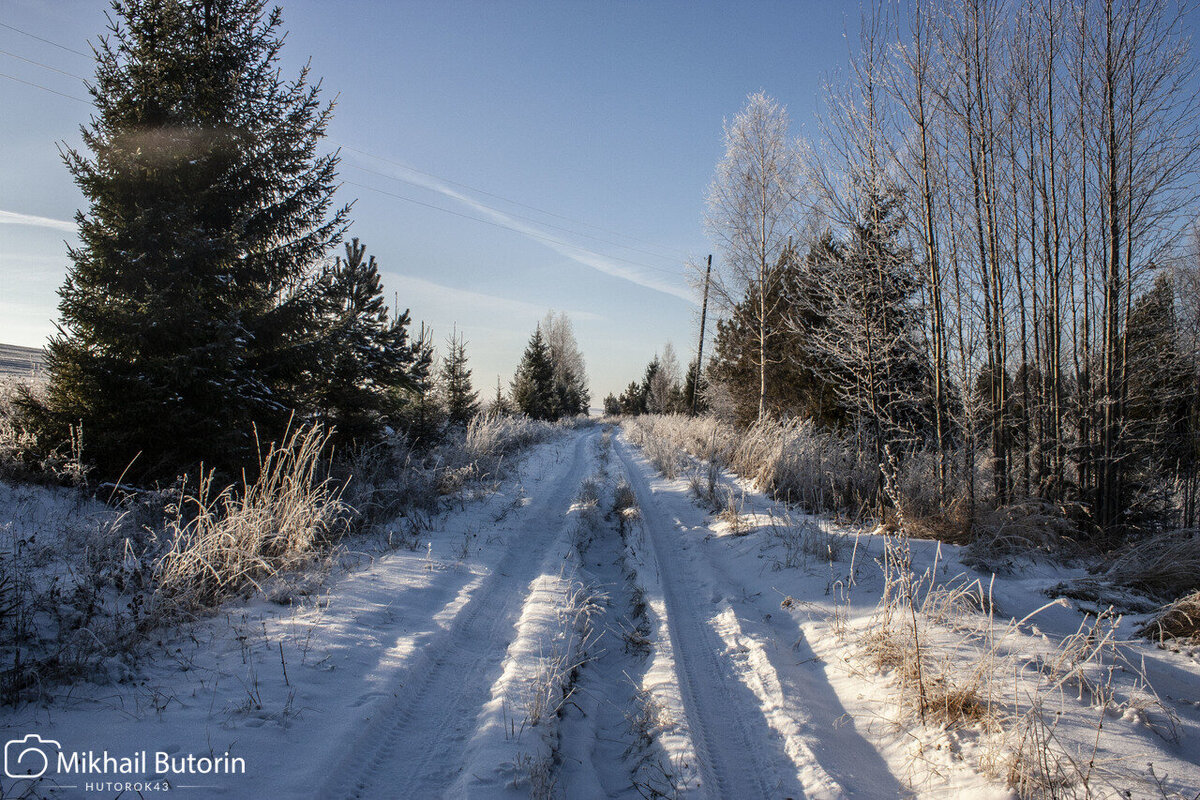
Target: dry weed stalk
{"type": "Point", "coordinates": [225, 542]}
{"type": "Point", "coordinates": [554, 682]}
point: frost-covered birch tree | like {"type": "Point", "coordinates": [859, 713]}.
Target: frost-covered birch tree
{"type": "Point", "coordinates": [570, 370]}
{"type": "Point", "coordinates": [755, 206]}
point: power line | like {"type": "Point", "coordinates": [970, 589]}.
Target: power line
{"type": "Point", "coordinates": [40, 64]}
{"type": "Point", "coordinates": [45, 88]}
{"type": "Point", "coordinates": [493, 223]}
{"type": "Point", "coordinates": [47, 41]}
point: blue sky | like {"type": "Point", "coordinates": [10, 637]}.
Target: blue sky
{"type": "Point", "coordinates": [606, 115]}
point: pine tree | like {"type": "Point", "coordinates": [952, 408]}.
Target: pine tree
{"type": "Point", "coordinates": [192, 295]}
{"type": "Point", "coordinates": [533, 388]}
{"type": "Point", "coordinates": [416, 412]}
{"type": "Point", "coordinates": [632, 400]}
{"type": "Point", "coordinates": [647, 385]}
{"type": "Point", "coordinates": [499, 405]}
{"type": "Point", "coordinates": [462, 402]}
{"type": "Point", "coordinates": [695, 385]}
{"type": "Point", "coordinates": [867, 345]}
{"type": "Point", "coordinates": [364, 357]}
{"type": "Point", "coordinates": [571, 395]}
{"type": "Point", "coordinates": [1159, 442]}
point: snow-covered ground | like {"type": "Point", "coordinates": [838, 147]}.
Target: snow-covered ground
{"type": "Point", "coordinates": [590, 630]}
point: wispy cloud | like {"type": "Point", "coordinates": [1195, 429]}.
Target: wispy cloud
{"type": "Point", "coordinates": [15, 218]}
{"type": "Point", "coordinates": [580, 255]}
{"type": "Point", "coordinates": [466, 301]}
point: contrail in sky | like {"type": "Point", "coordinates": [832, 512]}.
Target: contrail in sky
{"type": "Point", "coordinates": [15, 218]}
{"type": "Point", "coordinates": [580, 255]}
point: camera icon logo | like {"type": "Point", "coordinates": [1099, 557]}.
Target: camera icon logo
{"type": "Point", "coordinates": [29, 757]}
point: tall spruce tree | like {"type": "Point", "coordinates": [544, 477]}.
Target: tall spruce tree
{"type": "Point", "coordinates": [632, 401]}
{"type": "Point", "coordinates": [533, 389]}
{"type": "Point", "coordinates": [187, 311]}
{"type": "Point", "coordinates": [695, 384]}
{"type": "Point", "coordinates": [1160, 438]}
{"type": "Point", "coordinates": [860, 319]}
{"type": "Point", "coordinates": [462, 401]}
{"type": "Point", "coordinates": [647, 386]}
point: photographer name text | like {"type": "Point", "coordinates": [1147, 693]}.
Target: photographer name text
{"type": "Point", "coordinates": [89, 762]}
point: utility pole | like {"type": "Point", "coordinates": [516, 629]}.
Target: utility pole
{"type": "Point", "coordinates": [700, 348]}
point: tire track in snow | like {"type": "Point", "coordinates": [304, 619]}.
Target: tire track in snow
{"type": "Point", "coordinates": [413, 746]}
{"type": "Point", "coordinates": [731, 744]}
{"type": "Point", "coordinates": [609, 741]}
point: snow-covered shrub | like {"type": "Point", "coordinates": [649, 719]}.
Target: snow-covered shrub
{"type": "Point", "coordinates": [705, 485]}
{"type": "Point", "coordinates": [625, 505]}
{"type": "Point", "coordinates": [22, 456]}
{"type": "Point", "coordinates": [554, 680]}
{"type": "Point", "coordinates": [15, 443]}
{"type": "Point", "coordinates": [1023, 528]}
{"type": "Point", "coordinates": [795, 461]}
{"type": "Point", "coordinates": [1036, 752]}
{"type": "Point", "coordinates": [1179, 620]}
{"type": "Point", "coordinates": [803, 539]}
{"type": "Point", "coordinates": [931, 510]}
{"type": "Point", "coordinates": [223, 542]}
{"type": "Point", "coordinates": [75, 588]}
{"type": "Point", "coordinates": [83, 580]}
{"type": "Point", "coordinates": [730, 511]}
{"type": "Point", "coordinates": [654, 777]}
{"type": "Point", "coordinates": [394, 478]}
{"type": "Point", "coordinates": [491, 437]}
{"type": "Point", "coordinates": [590, 518]}
{"type": "Point", "coordinates": [589, 492]}
{"type": "Point", "coordinates": [660, 446]}
{"type": "Point", "coordinates": [791, 460]}
{"type": "Point", "coordinates": [386, 480]}
{"type": "Point", "coordinates": [1165, 566]}
{"type": "Point", "coordinates": [1035, 704]}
